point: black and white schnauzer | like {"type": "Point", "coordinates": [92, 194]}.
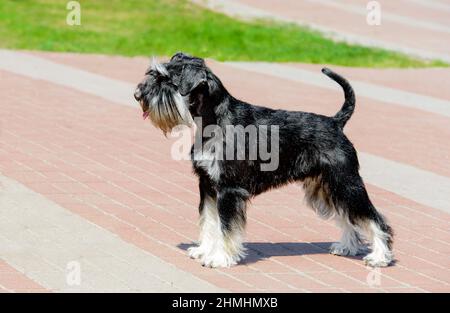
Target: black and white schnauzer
{"type": "Point", "coordinates": [312, 149]}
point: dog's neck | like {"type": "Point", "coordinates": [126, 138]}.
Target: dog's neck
{"type": "Point", "coordinates": [211, 102]}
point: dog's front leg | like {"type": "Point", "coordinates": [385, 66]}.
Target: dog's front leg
{"type": "Point", "coordinates": [223, 229]}
{"type": "Point", "coordinates": [209, 220]}
{"type": "Point", "coordinates": [209, 228]}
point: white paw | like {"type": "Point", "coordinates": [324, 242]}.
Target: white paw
{"type": "Point", "coordinates": [218, 259]}
{"type": "Point", "coordinates": [338, 248]}
{"type": "Point", "coordinates": [196, 252]}
{"type": "Point", "coordinates": [377, 260]}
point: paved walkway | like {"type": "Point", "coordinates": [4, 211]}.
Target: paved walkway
{"type": "Point", "coordinates": [105, 193]}
{"type": "Point", "coordinates": [49, 244]}
{"type": "Point", "coordinates": [346, 20]}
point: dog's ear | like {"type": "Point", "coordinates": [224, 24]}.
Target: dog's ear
{"type": "Point", "coordinates": [179, 56]}
{"type": "Point", "coordinates": [192, 77]}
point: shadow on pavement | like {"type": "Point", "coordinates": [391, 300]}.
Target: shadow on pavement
{"type": "Point", "coordinates": [258, 251]}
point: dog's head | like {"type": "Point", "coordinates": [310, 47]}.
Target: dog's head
{"type": "Point", "coordinates": [166, 94]}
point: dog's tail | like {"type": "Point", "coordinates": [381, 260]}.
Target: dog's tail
{"type": "Point", "coordinates": [348, 107]}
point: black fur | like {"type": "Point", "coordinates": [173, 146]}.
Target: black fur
{"type": "Point", "coordinates": [312, 149]}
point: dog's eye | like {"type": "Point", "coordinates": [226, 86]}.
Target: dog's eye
{"type": "Point", "coordinates": [151, 72]}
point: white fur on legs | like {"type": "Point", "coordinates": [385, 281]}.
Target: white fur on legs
{"type": "Point", "coordinates": [350, 243]}
{"type": "Point", "coordinates": [209, 227]}
{"type": "Point", "coordinates": [381, 255]}
{"type": "Point", "coordinates": [227, 252]}
{"type": "Point", "coordinates": [217, 248]}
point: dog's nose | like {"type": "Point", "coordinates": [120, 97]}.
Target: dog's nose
{"type": "Point", "coordinates": [138, 94]}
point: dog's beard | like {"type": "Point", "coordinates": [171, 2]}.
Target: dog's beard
{"type": "Point", "coordinates": [168, 110]}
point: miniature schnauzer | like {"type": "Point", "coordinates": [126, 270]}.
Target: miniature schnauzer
{"type": "Point", "coordinates": [312, 149]}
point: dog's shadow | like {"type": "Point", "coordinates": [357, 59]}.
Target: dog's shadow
{"type": "Point", "coordinates": [258, 251]}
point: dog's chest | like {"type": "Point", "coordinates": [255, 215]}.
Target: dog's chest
{"type": "Point", "coordinates": [207, 157]}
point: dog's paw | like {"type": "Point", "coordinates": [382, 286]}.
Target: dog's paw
{"type": "Point", "coordinates": [338, 248]}
{"type": "Point", "coordinates": [195, 252]}
{"type": "Point", "coordinates": [377, 261]}
{"type": "Point", "coordinates": [218, 260]}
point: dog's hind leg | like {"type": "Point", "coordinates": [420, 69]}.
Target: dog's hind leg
{"type": "Point", "coordinates": [381, 238]}
{"type": "Point", "coordinates": [228, 248]}
{"type": "Point", "coordinates": [351, 242]}
{"type": "Point", "coordinates": [352, 201]}
{"type": "Point", "coordinates": [318, 196]}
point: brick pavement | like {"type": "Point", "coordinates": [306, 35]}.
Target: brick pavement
{"type": "Point", "coordinates": [96, 160]}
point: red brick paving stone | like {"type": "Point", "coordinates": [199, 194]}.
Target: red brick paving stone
{"type": "Point", "coordinates": [25, 176]}
{"type": "Point", "coordinates": [442, 247]}
{"type": "Point", "coordinates": [441, 276]}
{"type": "Point", "coordinates": [299, 281]}
{"type": "Point", "coordinates": [342, 264]}
{"type": "Point", "coordinates": [326, 290]}
{"type": "Point", "coordinates": [434, 232]}
{"type": "Point", "coordinates": [244, 267]}
{"type": "Point", "coordinates": [434, 289]}
{"type": "Point", "coordinates": [375, 278]}
{"type": "Point", "coordinates": [420, 252]}
{"type": "Point", "coordinates": [268, 265]}
{"type": "Point", "coordinates": [12, 280]}
{"type": "Point", "coordinates": [367, 290]}
{"type": "Point", "coordinates": [266, 282]}
{"type": "Point", "coordinates": [403, 290]}
{"type": "Point", "coordinates": [231, 283]}
{"type": "Point", "coordinates": [413, 278]}
{"type": "Point", "coordinates": [275, 236]}
{"type": "Point", "coordinates": [338, 279]}
{"type": "Point", "coordinates": [303, 264]}
{"type": "Point", "coordinates": [160, 242]}
{"type": "Point", "coordinates": [195, 267]}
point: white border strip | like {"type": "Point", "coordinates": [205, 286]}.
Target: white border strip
{"type": "Point", "coordinates": [39, 68]}
{"type": "Point", "coordinates": [408, 181]}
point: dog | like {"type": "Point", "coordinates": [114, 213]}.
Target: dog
{"type": "Point", "coordinates": [312, 149]}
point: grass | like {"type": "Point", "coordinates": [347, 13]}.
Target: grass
{"type": "Point", "coordinates": [151, 27]}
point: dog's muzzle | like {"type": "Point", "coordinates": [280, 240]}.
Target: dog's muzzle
{"type": "Point", "coordinates": [138, 96]}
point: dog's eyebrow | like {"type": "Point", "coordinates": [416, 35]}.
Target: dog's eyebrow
{"type": "Point", "coordinates": [194, 65]}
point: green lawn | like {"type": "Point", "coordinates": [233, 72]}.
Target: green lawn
{"type": "Point", "coordinates": [151, 27]}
